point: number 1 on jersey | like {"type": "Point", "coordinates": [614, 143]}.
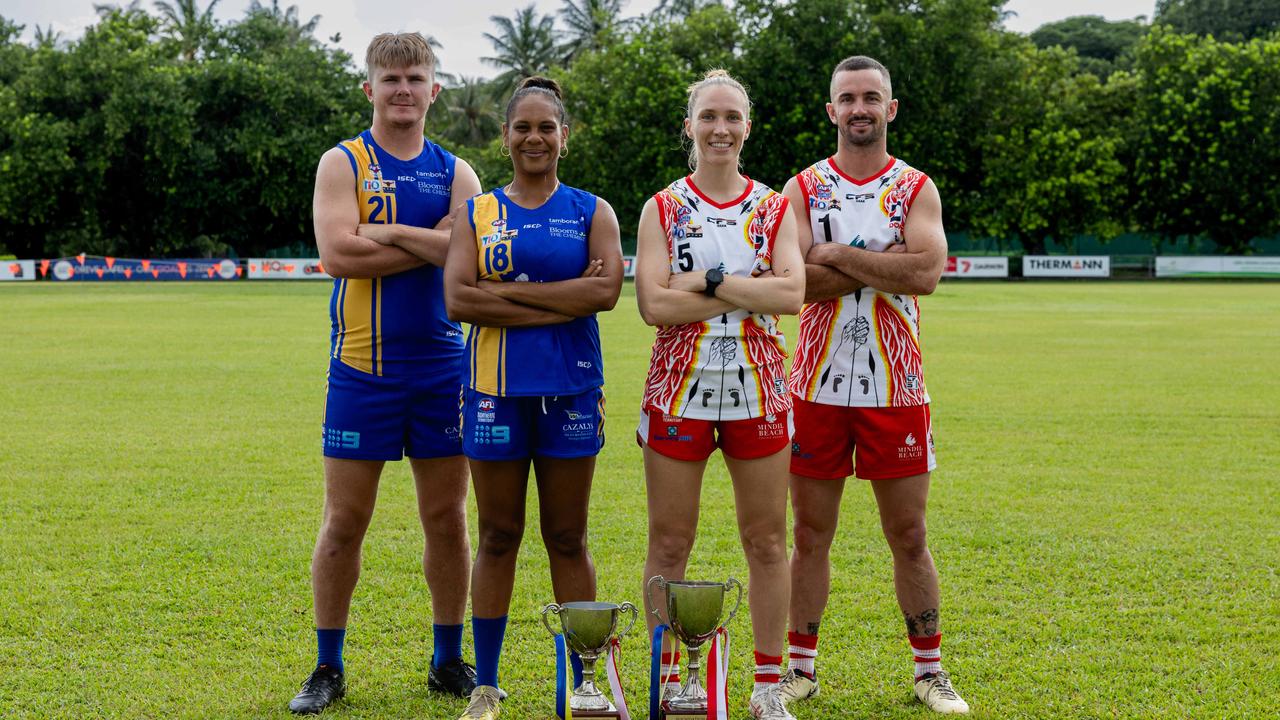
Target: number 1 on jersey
{"type": "Point", "coordinates": [826, 225]}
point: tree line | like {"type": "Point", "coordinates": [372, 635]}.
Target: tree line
{"type": "Point", "coordinates": [165, 132]}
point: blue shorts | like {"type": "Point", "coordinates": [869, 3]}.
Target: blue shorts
{"type": "Point", "coordinates": [367, 417]}
{"type": "Point", "coordinates": [513, 428]}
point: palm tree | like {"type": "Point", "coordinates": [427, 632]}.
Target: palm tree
{"type": "Point", "coordinates": [287, 18]}
{"type": "Point", "coordinates": [676, 9]}
{"type": "Point", "coordinates": [105, 9]}
{"type": "Point", "coordinates": [185, 23]}
{"type": "Point", "coordinates": [47, 37]}
{"type": "Point", "coordinates": [472, 111]}
{"type": "Point", "coordinates": [590, 24]}
{"type": "Point", "coordinates": [444, 78]}
{"type": "Point", "coordinates": [525, 45]}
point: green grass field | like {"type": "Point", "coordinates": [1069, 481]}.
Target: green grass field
{"type": "Point", "coordinates": [1105, 516]}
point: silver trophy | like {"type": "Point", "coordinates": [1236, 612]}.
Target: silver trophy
{"type": "Point", "coordinates": [694, 612]}
{"type": "Point", "coordinates": [588, 628]}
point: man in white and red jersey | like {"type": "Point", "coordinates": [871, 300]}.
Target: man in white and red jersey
{"type": "Point", "coordinates": [873, 241]}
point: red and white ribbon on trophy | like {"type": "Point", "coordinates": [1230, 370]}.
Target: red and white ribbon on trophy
{"type": "Point", "coordinates": [615, 680]}
{"type": "Point", "coordinates": [717, 676]}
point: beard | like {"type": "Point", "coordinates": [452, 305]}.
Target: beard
{"type": "Point", "coordinates": [861, 140]}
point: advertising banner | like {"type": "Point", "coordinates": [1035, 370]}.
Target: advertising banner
{"type": "Point", "coordinates": [628, 266]}
{"type": "Point", "coordinates": [1231, 266]}
{"type": "Point", "coordinates": [17, 270]}
{"type": "Point", "coordinates": [286, 269]}
{"type": "Point", "coordinates": [1083, 266]}
{"type": "Point", "coordinates": [976, 267]}
{"type": "Point", "coordinates": [94, 268]}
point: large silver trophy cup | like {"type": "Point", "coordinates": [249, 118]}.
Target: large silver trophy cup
{"type": "Point", "coordinates": [588, 629]}
{"type": "Point", "coordinates": [694, 612]}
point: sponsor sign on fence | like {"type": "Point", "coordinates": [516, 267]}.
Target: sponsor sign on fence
{"type": "Point", "coordinates": [1066, 266]}
{"type": "Point", "coordinates": [17, 270]}
{"type": "Point", "coordinates": [286, 269]}
{"type": "Point", "coordinates": [977, 267]}
{"type": "Point", "coordinates": [628, 266]}
{"type": "Point", "coordinates": [1231, 266]}
{"type": "Point", "coordinates": [94, 268]}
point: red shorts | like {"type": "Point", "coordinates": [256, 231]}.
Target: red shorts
{"type": "Point", "coordinates": [889, 442]}
{"type": "Point", "coordinates": [695, 440]}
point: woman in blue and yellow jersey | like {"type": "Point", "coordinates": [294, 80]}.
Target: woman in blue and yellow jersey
{"type": "Point", "coordinates": [529, 266]}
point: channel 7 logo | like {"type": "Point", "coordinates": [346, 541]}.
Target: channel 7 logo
{"type": "Point", "coordinates": [492, 434]}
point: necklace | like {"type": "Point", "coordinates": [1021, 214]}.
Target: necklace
{"type": "Point", "coordinates": [507, 191]}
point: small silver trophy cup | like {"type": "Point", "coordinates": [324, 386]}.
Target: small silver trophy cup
{"type": "Point", "coordinates": [694, 610]}
{"type": "Point", "coordinates": [588, 628]}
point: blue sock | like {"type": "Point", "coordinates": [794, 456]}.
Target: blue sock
{"type": "Point", "coordinates": [576, 661]}
{"type": "Point", "coordinates": [487, 634]}
{"type": "Point", "coordinates": [447, 642]}
{"type": "Point", "coordinates": [329, 646]}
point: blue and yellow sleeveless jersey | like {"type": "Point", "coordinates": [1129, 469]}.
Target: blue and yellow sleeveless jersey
{"type": "Point", "coordinates": [542, 245]}
{"type": "Point", "coordinates": [396, 325]}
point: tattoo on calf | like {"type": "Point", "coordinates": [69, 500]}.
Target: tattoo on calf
{"type": "Point", "coordinates": [923, 625]}
{"type": "Point", "coordinates": [813, 628]}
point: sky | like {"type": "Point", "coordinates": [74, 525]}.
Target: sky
{"type": "Point", "coordinates": [460, 24]}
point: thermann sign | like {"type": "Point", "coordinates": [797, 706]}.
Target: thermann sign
{"type": "Point", "coordinates": [977, 267]}
{"type": "Point", "coordinates": [17, 270]}
{"type": "Point", "coordinates": [1066, 266]}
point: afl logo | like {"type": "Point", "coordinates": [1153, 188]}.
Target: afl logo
{"type": "Point", "coordinates": [485, 405]}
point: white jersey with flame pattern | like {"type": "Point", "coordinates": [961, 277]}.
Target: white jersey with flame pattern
{"type": "Point", "coordinates": [730, 367]}
{"type": "Point", "coordinates": [863, 349]}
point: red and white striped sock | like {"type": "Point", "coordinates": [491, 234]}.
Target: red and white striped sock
{"type": "Point", "coordinates": [670, 669]}
{"type": "Point", "coordinates": [802, 651]}
{"type": "Point", "coordinates": [768, 669]}
{"type": "Point", "coordinates": [928, 654]}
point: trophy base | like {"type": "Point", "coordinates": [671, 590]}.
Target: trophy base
{"type": "Point", "coordinates": [669, 712]}
{"type": "Point", "coordinates": [609, 712]}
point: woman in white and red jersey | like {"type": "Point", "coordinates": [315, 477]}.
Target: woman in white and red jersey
{"type": "Point", "coordinates": [717, 262]}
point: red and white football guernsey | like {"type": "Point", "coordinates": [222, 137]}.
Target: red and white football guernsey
{"type": "Point", "coordinates": [730, 367]}
{"type": "Point", "coordinates": [863, 349]}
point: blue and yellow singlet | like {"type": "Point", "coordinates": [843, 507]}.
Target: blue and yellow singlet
{"type": "Point", "coordinates": [546, 244]}
{"type": "Point", "coordinates": [396, 325]}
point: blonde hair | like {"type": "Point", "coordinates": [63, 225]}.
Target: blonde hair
{"type": "Point", "coordinates": [718, 76]}
{"type": "Point", "coordinates": [398, 50]}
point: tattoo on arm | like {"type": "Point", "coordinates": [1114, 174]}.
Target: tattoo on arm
{"type": "Point", "coordinates": [923, 625]}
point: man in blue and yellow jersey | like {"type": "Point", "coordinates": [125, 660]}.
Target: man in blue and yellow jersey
{"type": "Point", "coordinates": [382, 206]}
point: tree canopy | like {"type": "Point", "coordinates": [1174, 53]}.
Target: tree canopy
{"type": "Point", "coordinates": [171, 133]}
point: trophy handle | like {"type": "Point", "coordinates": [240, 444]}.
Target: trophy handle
{"type": "Point", "coordinates": [553, 609]}
{"type": "Point", "coordinates": [635, 615]}
{"type": "Point", "coordinates": [728, 584]}
{"type": "Point", "coordinates": [648, 593]}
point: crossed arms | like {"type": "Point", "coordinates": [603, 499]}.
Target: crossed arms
{"type": "Point", "coordinates": [351, 249]}
{"type": "Point", "coordinates": [667, 298]}
{"type": "Point", "coordinates": [834, 269]}
{"type": "Point", "coordinates": [526, 304]}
